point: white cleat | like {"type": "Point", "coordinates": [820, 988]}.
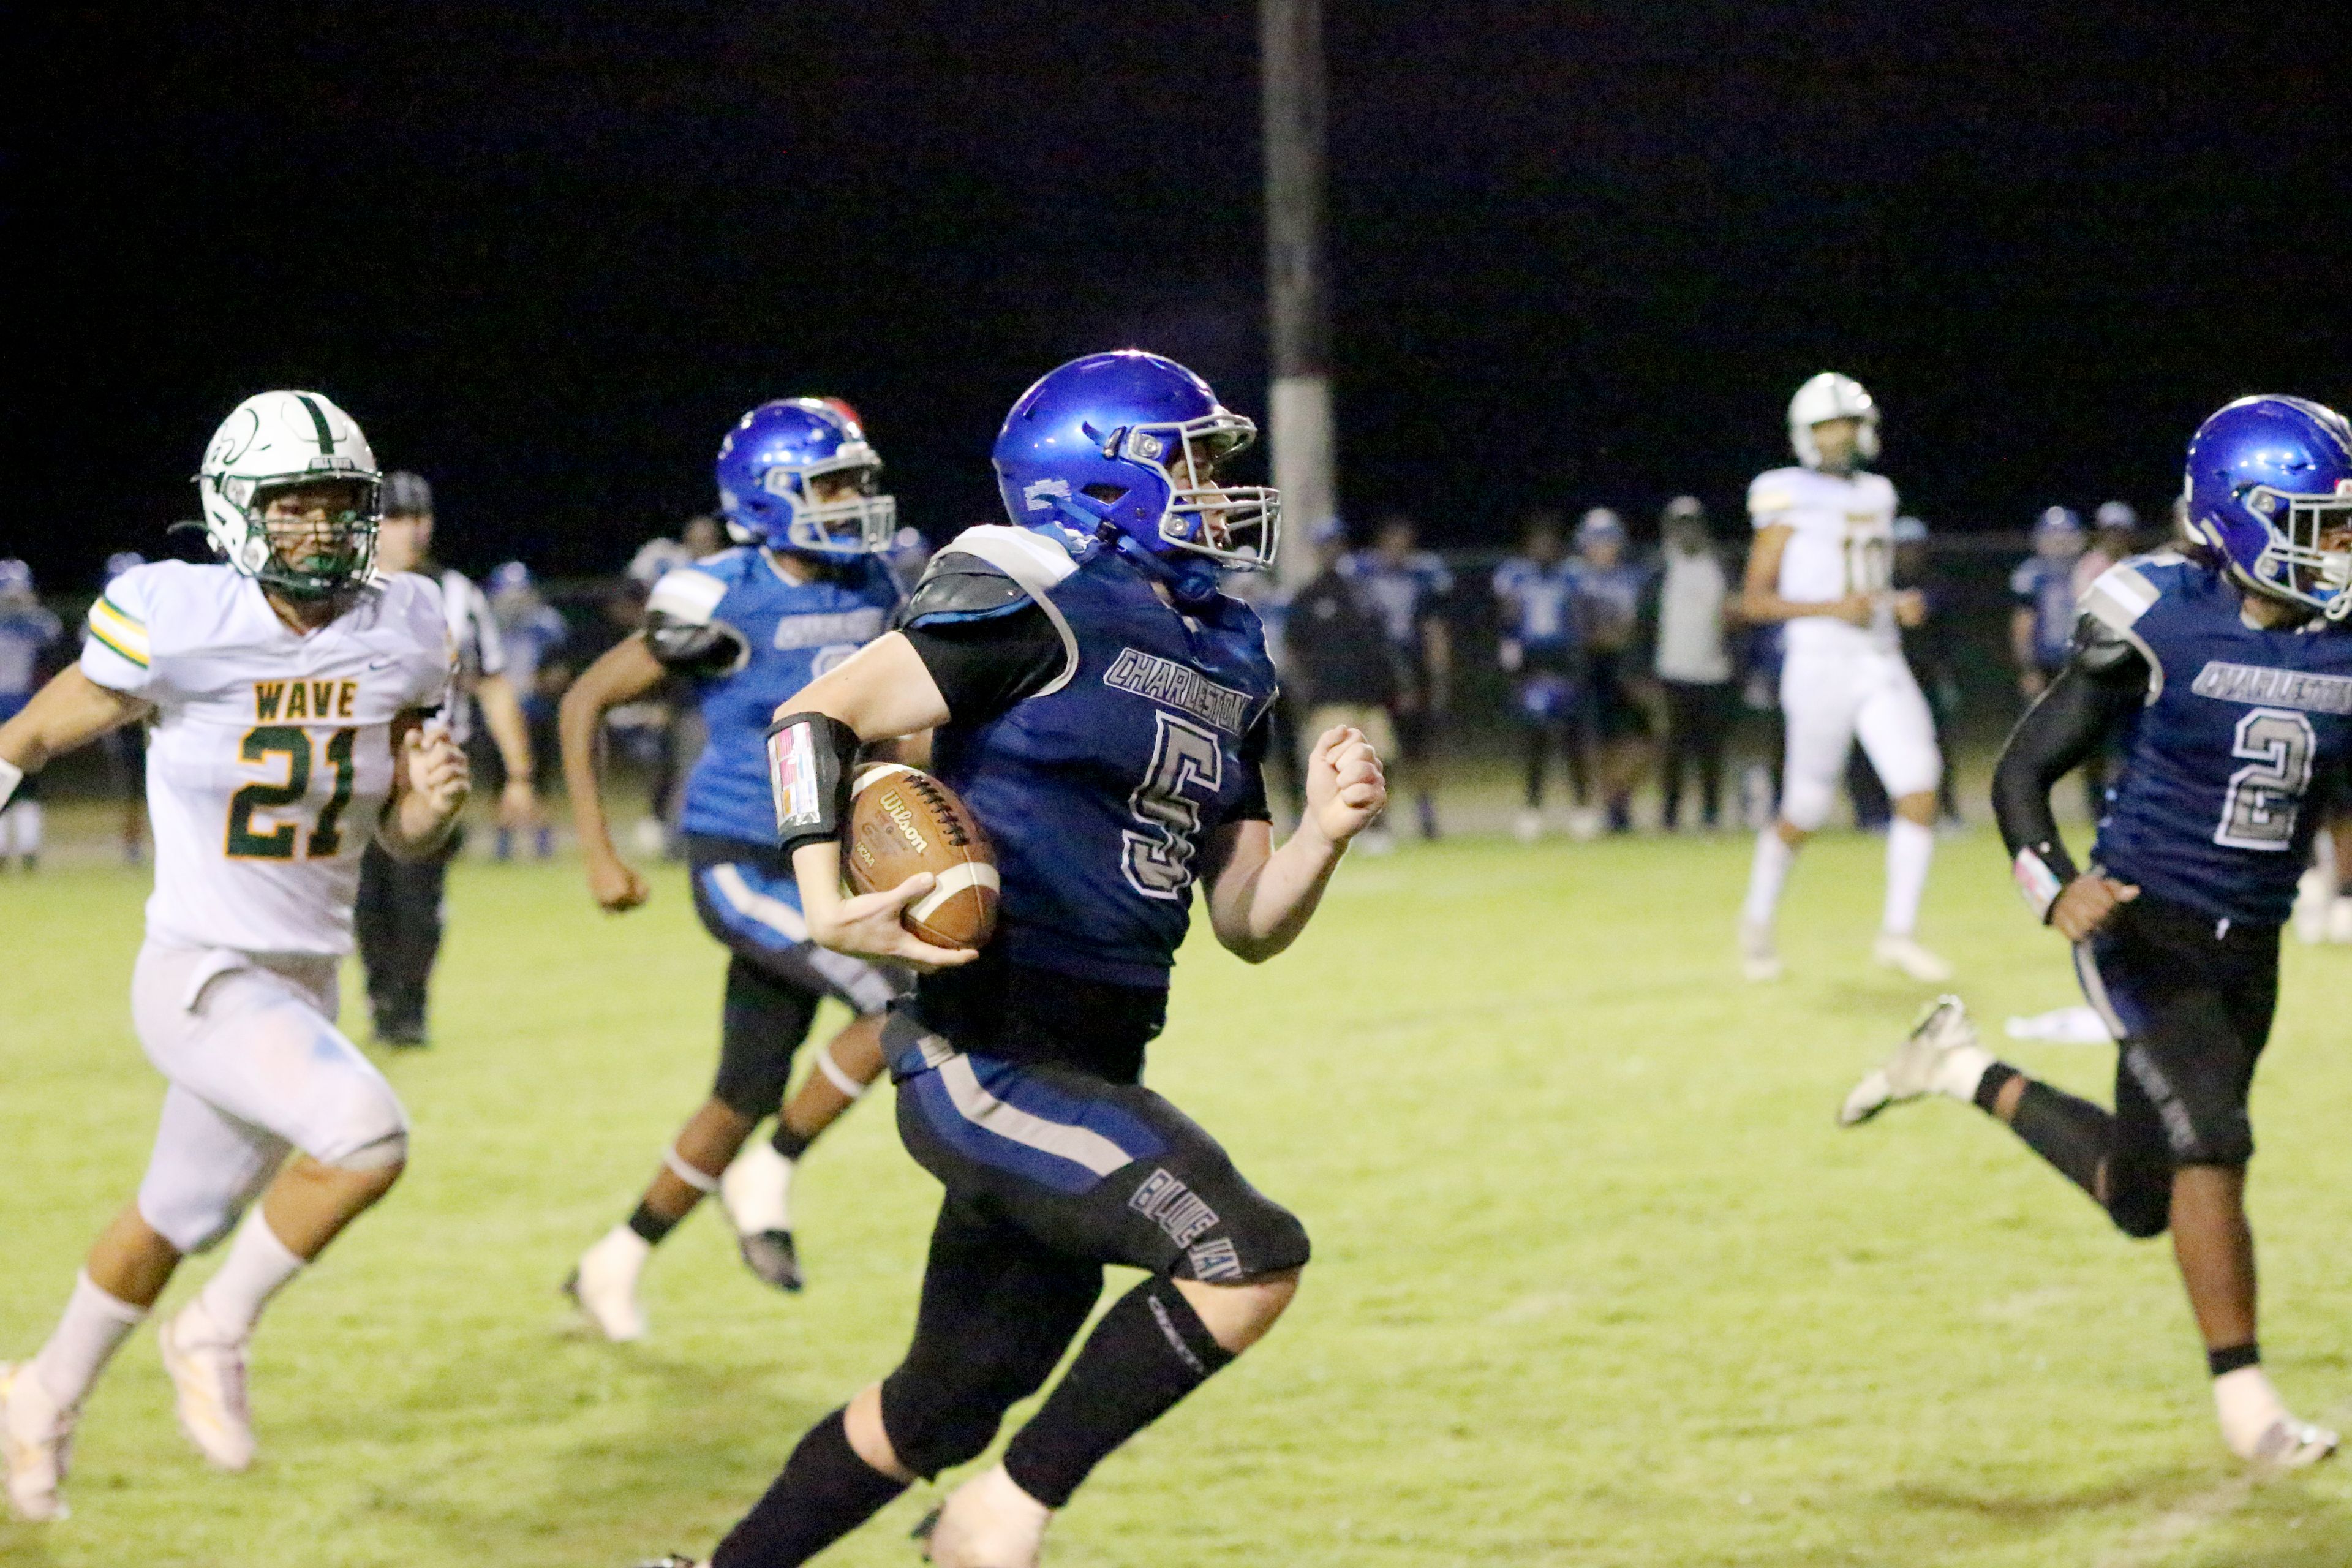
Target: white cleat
{"type": "Point", "coordinates": [1585, 822]}
{"type": "Point", "coordinates": [1529, 826]}
{"type": "Point", "coordinates": [987, 1522]}
{"type": "Point", "coordinates": [1918, 1066]}
{"type": "Point", "coordinates": [2290, 1444]}
{"type": "Point", "coordinates": [757, 1191]}
{"type": "Point", "coordinates": [2339, 921]}
{"type": "Point", "coordinates": [605, 1284]}
{"type": "Point", "coordinates": [1760, 956]}
{"type": "Point", "coordinates": [1903, 953]}
{"type": "Point", "coordinates": [208, 1376]}
{"type": "Point", "coordinates": [37, 1441]}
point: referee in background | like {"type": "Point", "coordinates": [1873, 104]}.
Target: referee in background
{"type": "Point", "coordinates": [398, 919]}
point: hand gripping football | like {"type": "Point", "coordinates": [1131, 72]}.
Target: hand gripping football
{"type": "Point", "coordinates": [902, 821]}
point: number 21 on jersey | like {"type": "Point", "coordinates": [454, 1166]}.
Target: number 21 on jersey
{"type": "Point", "coordinates": [285, 840]}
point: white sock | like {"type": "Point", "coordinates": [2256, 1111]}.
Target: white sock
{"type": "Point", "coordinates": [1774, 856]}
{"type": "Point", "coordinates": [95, 1323]}
{"type": "Point", "coordinates": [2249, 1407]}
{"type": "Point", "coordinates": [758, 1190]}
{"type": "Point", "coordinates": [259, 1266]}
{"type": "Point", "coordinates": [620, 1248]}
{"type": "Point", "coordinates": [1962, 1070]}
{"type": "Point", "coordinates": [1909, 849]}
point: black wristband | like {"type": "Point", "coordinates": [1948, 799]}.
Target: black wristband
{"type": "Point", "coordinates": [809, 760]}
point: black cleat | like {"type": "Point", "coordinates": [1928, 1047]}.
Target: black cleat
{"type": "Point", "coordinates": [769, 1254]}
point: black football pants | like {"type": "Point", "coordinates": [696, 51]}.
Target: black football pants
{"type": "Point", "coordinates": [398, 922]}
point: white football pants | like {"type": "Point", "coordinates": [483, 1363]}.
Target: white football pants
{"type": "Point", "coordinates": [256, 1068]}
{"type": "Point", "coordinates": [1831, 699]}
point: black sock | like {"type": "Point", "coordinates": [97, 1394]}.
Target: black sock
{"type": "Point", "coordinates": [1149, 1350]}
{"type": "Point", "coordinates": [651, 1225]}
{"type": "Point", "coordinates": [2071, 1134]}
{"type": "Point", "coordinates": [1989, 1087]}
{"type": "Point", "coordinates": [2230, 1358]}
{"type": "Point", "coordinates": [792, 1145]}
{"type": "Point", "coordinates": [824, 1492]}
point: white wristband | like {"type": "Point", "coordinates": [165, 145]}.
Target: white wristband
{"type": "Point", "coordinates": [11, 775]}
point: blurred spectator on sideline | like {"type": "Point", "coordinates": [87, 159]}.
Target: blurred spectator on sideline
{"type": "Point", "coordinates": [1694, 660]}
{"type": "Point", "coordinates": [1543, 649]}
{"type": "Point", "coordinates": [703, 536]}
{"type": "Point", "coordinates": [1407, 588]}
{"type": "Point", "coordinates": [126, 747]}
{"type": "Point", "coordinates": [2115, 536]}
{"type": "Point", "coordinates": [1610, 590]}
{"type": "Point", "coordinates": [1336, 643]}
{"type": "Point", "coordinates": [28, 630]}
{"type": "Point", "coordinates": [531, 629]}
{"type": "Point", "coordinates": [1761, 734]}
{"type": "Point", "coordinates": [1284, 766]}
{"type": "Point", "coordinates": [2042, 626]}
{"type": "Point", "coordinates": [910, 553]}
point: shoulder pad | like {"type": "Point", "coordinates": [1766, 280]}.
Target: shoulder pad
{"type": "Point", "coordinates": [696, 648]}
{"type": "Point", "coordinates": [986, 572]}
{"type": "Point", "coordinates": [2121, 595]}
{"type": "Point", "coordinates": [688, 596]}
{"type": "Point", "coordinates": [2116, 655]}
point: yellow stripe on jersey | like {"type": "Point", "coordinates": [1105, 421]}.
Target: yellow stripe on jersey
{"type": "Point", "coordinates": [125, 634]}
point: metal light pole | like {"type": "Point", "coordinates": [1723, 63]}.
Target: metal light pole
{"type": "Point", "coordinates": [1290, 45]}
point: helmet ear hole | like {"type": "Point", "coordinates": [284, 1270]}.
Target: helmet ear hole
{"type": "Point", "coordinates": [1109, 495]}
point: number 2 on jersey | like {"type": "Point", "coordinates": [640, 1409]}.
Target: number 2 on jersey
{"type": "Point", "coordinates": [292, 742]}
{"type": "Point", "coordinates": [2265, 797]}
{"type": "Point", "coordinates": [1159, 861]}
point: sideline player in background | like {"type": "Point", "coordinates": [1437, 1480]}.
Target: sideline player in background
{"type": "Point", "coordinates": [530, 631]}
{"type": "Point", "coordinates": [287, 689]}
{"type": "Point", "coordinates": [400, 902]}
{"type": "Point", "coordinates": [2042, 623]}
{"type": "Point", "coordinates": [1101, 709]}
{"type": "Point", "coordinates": [1543, 649]}
{"type": "Point", "coordinates": [1609, 589]}
{"type": "Point", "coordinates": [748, 627]}
{"type": "Point", "coordinates": [27, 632]}
{"type": "Point", "coordinates": [2230, 663]}
{"type": "Point", "coordinates": [1407, 588]}
{"type": "Point", "coordinates": [1338, 668]}
{"type": "Point", "coordinates": [1823, 563]}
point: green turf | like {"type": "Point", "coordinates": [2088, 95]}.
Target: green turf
{"type": "Point", "coordinates": [1597, 1282]}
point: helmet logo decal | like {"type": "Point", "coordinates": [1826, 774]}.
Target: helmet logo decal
{"type": "Point", "coordinates": [318, 422]}
{"type": "Point", "coordinates": [1036, 494]}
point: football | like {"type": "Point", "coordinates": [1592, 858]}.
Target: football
{"type": "Point", "coordinates": [902, 821]}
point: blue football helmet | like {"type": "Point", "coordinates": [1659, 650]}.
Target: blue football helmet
{"type": "Point", "coordinates": [15, 579]}
{"type": "Point", "coordinates": [1127, 445]}
{"type": "Point", "coordinates": [2058, 533]}
{"type": "Point", "coordinates": [122, 561]}
{"type": "Point", "coordinates": [513, 577]}
{"type": "Point", "coordinates": [2269, 484]}
{"type": "Point", "coordinates": [797, 473]}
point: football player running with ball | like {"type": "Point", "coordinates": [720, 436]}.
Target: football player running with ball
{"type": "Point", "coordinates": [287, 689]}
{"type": "Point", "coordinates": [2225, 667]}
{"type": "Point", "coordinates": [1101, 707]}
{"type": "Point", "coordinates": [1823, 563]}
{"type": "Point", "coordinates": [803, 589]}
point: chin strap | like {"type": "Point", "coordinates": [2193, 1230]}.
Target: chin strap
{"type": "Point", "coordinates": [1191, 579]}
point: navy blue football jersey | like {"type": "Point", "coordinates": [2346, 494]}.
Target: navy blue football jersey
{"type": "Point", "coordinates": [1100, 788]}
{"type": "Point", "coordinates": [2046, 587]}
{"type": "Point", "coordinates": [792, 633]}
{"type": "Point", "coordinates": [1539, 604]}
{"type": "Point", "coordinates": [2245, 737]}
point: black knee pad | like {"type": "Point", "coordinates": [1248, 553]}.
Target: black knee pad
{"type": "Point", "coordinates": [764, 1023]}
{"type": "Point", "coordinates": [1254, 1236]}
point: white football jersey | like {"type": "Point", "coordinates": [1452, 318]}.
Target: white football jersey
{"type": "Point", "coordinates": [1843, 542]}
{"type": "Point", "coordinates": [272, 755]}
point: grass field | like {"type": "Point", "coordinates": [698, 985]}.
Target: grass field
{"type": "Point", "coordinates": [1596, 1280]}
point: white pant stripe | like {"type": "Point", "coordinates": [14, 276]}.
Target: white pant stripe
{"type": "Point", "coordinates": [1080, 1145]}
{"type": "Point", "coordinates": [770, 912]}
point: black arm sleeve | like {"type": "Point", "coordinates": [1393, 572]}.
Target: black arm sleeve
{"type": "Point", "coordinates": [2103, 685]}
{"type": "Point", "coordinates": [1251, 807]}
{"type": "Point", "coordinates": [984, 667]}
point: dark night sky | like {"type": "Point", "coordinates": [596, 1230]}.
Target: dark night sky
{"type": "Point", "coordinates": [546, 254]}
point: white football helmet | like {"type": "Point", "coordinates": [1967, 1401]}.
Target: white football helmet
{"type": "Point", "coordinates": [1830, 395]}
{"type": "Point", "coordinates": [277, 438]}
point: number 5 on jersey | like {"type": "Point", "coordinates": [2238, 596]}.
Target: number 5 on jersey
{"type": "Point", "coordinates": [281, 842]}
{"type": "Point", "coordinates": [1159, 860]}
